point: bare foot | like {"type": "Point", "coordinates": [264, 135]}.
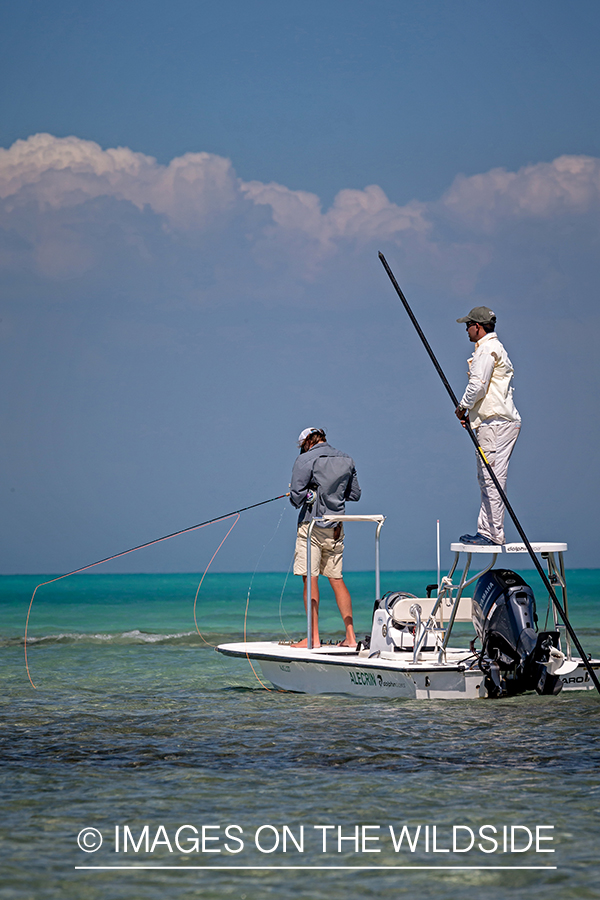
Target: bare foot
{"type": "Point", "coordinates": [304, 643]}
{"type": "Point", "coordinates": [346, 643]}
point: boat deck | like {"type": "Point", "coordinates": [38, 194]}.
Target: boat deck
{"type": "Point", "coordinates": [336, 655]}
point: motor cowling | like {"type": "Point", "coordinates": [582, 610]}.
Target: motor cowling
{"type": "Point", "coordinates": [513, 653]}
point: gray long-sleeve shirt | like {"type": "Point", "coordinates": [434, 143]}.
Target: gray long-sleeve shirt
{"type": "Point", "coordinates": [332, 474]}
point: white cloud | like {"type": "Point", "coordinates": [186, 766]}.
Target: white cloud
{"type": "Point", "coordinates": [190, 191]}
{"type": "Point", "coordinates": [83, 165]}
{"type": "Point", "coordinates": [568, 184]}
{"type": "Point", "coordinates": [357, 215]}
{"type": "Point", "coordinates": [369, 215]}
{"type": "Point", "coordinates": [68, 206]}
{"type": "Point", "coordinates": [62, 172]}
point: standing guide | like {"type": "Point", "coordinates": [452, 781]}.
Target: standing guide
{"type": "Point", "coordinates": [488, 404]}
{"type": "Point", "coordinates": [322, 480]}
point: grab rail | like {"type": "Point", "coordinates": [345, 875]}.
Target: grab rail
{"type": "Point", "coordinates": [378, 519]}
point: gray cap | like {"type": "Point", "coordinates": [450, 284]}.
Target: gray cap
{"type": "Point", "coordinates": [480, 314]}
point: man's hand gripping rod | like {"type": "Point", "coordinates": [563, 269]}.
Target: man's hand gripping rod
{"type": "Point", "coordinates": [492, 474]}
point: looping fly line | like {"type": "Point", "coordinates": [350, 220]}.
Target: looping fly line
{"type": "Point", "coordinates": [165, 537]}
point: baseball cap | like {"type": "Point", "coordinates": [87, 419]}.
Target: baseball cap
{"type": "Point", "coordinates": [304, 434]}
{"type": "Point", "coordinates": [480, 314]}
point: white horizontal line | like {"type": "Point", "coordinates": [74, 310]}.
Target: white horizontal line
{"type": "Point", "coordinates": [321, 868]}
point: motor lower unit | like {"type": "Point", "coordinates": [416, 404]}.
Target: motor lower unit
{"type": "Point", "coordinates": [514, 656]}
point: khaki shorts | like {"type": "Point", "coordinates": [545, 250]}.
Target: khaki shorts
{"type": "Point", "coordinates": [325, 552]}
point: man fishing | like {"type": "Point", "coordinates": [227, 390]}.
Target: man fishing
{"type": "Point", "coordinates": [488, 405]}
{"type": "Point", "coordinates": [322, 480]}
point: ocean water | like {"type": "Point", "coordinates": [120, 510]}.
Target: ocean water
{"type": "Point", "coordinates": [138, 729]}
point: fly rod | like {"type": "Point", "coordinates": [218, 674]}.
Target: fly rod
{"type": "Point", "coordinates": [166, 537]}
{"type": "Point", "coordinates": [494, 478]}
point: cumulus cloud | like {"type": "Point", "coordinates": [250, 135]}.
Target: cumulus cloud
{"type": "Point", "coordinates": [63, 172]}
{"type": "Point", "coordinates": [67, 207]}
{"type": "Point", "coordinates": [569, 184]}
{"type": "Point", "coordinates": [190, 192]}
{"type": "Point", "coordinates": [360, 215]}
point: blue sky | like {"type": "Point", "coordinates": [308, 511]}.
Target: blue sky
{"type": "Point", "coordinates": [192, 197]}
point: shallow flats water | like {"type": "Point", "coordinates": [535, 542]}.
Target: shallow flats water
{"type": "Point", "coordinates": [140, 735]}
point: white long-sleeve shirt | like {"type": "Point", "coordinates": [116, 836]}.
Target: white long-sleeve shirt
{"type": "Point", "coordinates": [489, 391]}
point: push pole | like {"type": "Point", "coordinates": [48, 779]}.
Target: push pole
{"type": "Point", "coordinates": [494, 478]}
{"type": "Point", "coordinates": [439, 570]}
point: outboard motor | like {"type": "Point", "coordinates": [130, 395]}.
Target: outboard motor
{"type": "Point", "coordinates": [513, 654]}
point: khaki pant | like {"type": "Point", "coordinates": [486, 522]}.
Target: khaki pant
{"type": "Point", "coordinates": [497, 440]}
{"type": "Point", "coordinates": [325, 552]}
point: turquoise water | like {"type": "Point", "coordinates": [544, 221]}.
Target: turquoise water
{"type": "Point", "coordinates": [137, 722]}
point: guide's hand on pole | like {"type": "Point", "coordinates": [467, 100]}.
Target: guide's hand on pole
{"type": "Point", "coordinates": [463, 415]}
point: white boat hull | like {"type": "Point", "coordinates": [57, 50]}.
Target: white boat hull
{"type": "Point", "coordinates": [331, 670]}
{"type": "Point", "coordinates": [360, 680]}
